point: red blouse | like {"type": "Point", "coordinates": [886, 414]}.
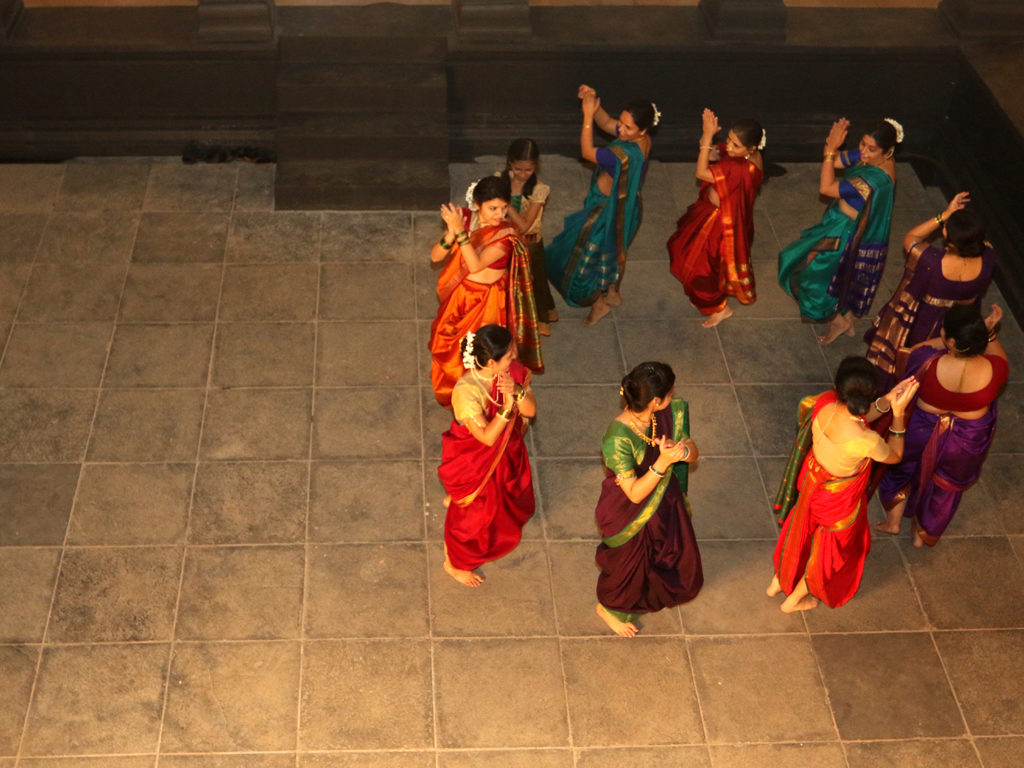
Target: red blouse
{"type": "Point", "coordinates": [933, 393]}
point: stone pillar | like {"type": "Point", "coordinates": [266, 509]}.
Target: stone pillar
{"type": "Point", "coordinates": [745, 19]}
{"type": "Point", "coordinates": [236, 21]}
{"type": "Point", "coordinates": [492, 21]}
{"type": "Point", "coordinates": [977, 19]}
{"type": "Point", "coordinates": [10, 13]}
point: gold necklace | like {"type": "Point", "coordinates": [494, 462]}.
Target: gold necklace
{"type": "Point", "coordinates": [641, 432]}
{"type": "Point", "coordinates": [486, 389]}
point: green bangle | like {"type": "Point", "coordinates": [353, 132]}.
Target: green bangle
{"type": "Point", "coordinates": [445, 244]}
{"type": "Point", "coordinates": [655, 471]}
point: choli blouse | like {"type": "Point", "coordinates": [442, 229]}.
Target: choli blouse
{"type": "Point", "coordinates": [936, 395]}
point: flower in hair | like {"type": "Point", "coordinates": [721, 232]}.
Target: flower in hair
{"type": "Point", "coordinates": [764, 140]}
{"type": "Point", "coordinates": [468, 359]}
{"type": "Point", "coordinates": [469, 195]}
{"type": "Point", "coordinates": [657, 114]}
{"type": "Point", "coordinates": [898, 128]}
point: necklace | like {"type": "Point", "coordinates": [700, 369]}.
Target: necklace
{"type": "Point", "coordinates": [641, 432]}
{"type": "Point", "coordinates": [484, 386]}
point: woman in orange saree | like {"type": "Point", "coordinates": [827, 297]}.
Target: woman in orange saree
{"type": "Point", "coordinates": [709, 253]}
{"type": "Point", "coordinates": [484, 466]}
{"type": "Point", "coordinates": [822, 502]}
{"type": "Point", "coordinates": [486, 280]}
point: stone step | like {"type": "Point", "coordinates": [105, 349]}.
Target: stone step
{"type": "Point", "coordinates": [362, 49]}
{"type": "Point", "coordinates": [304, 146]}
{"type": "Point", "coordinates": [361, 185]}
{"type": "Point", "coordinates": [381, 124]}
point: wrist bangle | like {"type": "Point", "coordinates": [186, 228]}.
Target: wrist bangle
{"type": "Point", "coordinates": [939, 220]}
{"type": "Point", "coordinates": [829, 156]}
{"type": "Point", "coordinates": [897, 432]}
{"type": "Point", "coordinates": [505, 414]}
{"type": "Point", "coordinates": [655, 470]}
{"type": "Point", "coordinates": [879, 409]}
{"type": "Point", "coordinates": [686, 455]}
{"type": "Point", "coordinates": [992, 335]}
{"type": "Point", "coordinates": [707, 146]}
{"type": "Point", "coordinates": [462, 238]}
{"type": "Point", "coordinates": [520, 393]}
{"type": "Point", "coordinates": [445, 244]}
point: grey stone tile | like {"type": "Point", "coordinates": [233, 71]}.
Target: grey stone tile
{"type": "Point", "coordinates": [346, 505]}
{"type": "Point", "coordinates": [255, 191]}
{"type": "Point", "coordinates": [36, 499]}
{"type": "Point", "coordinates": [569, 489]}
{"type": "Point", "coordinates": [264, 355]}
{"type": "Point", "coordinates": [147, 425]}
{"type": "Point", "coordinates": [274, 236]}
{"type": "Point", "coordinates": [1010, 432]}
{"type": "Point", "coordinates": [425, 274]}
{"type": "Point", "coordinates": [97, 699]}
{"type": "Point", "coordinates": [520, 758]}
{"type": "Point", "coordinates": [692, 351]}
{"type": "Point", "coordinates": [427, 227]}
{"type": "Point", "coordinates": [181, 237]}
{"type": "Point", "coordinates": [367, 353]}
{"type": "Point", "coordinates": [738, 679]}
{"type": "Point", "coordinates": [965, 583]}
{"type": "Point", "coordinates": [651, 241]}
{"type": "Point", "coordinates": [807, 755]}
{"type": "Point", "coordinates": [515, 599]}
{"type": "Point", "coordinates": [257, 424]}
{"type": "Point", "coordinates": [435, 422]}
{"type": "Point", "coordinates": [716, 424]}
{"type": "Point", "coordinates": [241, 593]}
{"type": "Point", "coordinates": [29, 187]}
{"type": "Point", "coordinates": [772, 351]}
{"type": "Point", "coordinates": [647, 757]}
{"type": "Point", "coordinates": [103, 186]}
{"type": "Point", "coordinates": [728, 500]}
{"type": "Point", "coordinates": [160, 356]}
{"type": "Point", "coordinates": [246, 760]}
{"type": "Point", "coordinates": [96, 236]}
{"type": "Point", "coordinates": [516, 681]}
{"type": "Point", "coordinates": [367, 760]}
{"type": "Point", "coordinates": [369, 236]}
{"type": "Point", "coordinates": [232, 697]}
{"type": "Point", "coordinates": [191, 187]}
{"type": "Point", "coordinates": [367, 590]}
{"type": "Point", "coordinates": [12, 281]}
{"type": "Point", "coordinates": [576, 354]}
{"type": "Point", "coordinates": [984, 669]}
{"type": "Point", "coordinates": [571, 420]}
{"type": "Point", "coordinates": [269, 292]}
{"type": "Point", "coordinates": [650, 291]}
{"type": "Point", "coordinates": [169, 292]}
{"type": "Point", "coordinates": [732, 600]}
{"type": "Point", "coordinates": [386, 681]}
{"type": "Point", "coordinates": [249, 502]}
{"type": "Point", "coordinates": [20, 235]}
{"type": "Point", "coordinates": [918, 701]}
{"type": "Point", "coordinates": [114, 594]}
{"type": "Point", "coordinates": [72, 292]}
{"type": "Point", "coordinates": [1002, 752]}
{"type": "Point", "coordinates": [382, 422]}
{"type": "Point", "coordinates": [44, 425]}
{"type": "Point", "coordinates": [575, 573]}
{"type": "Point", "coordinates": [770, 413]}
{"type": "Point", "coordinates": [346, 290]}
{"type": "Point", "coordinates": [659, 676]}
{"type": "Point", "coordinates": [56, 355]}
{"type": "Point", "coordinates": [17, 671]}
{"type": "Point", "coordinates": [796, 190]}
{"type": "Point", "coordinates": [28, 576]}
{"type": "Point", "coordinates": [131, 504]}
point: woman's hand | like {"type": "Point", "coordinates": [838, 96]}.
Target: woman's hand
{"type": "Point", "coordinates": [709, 127]}
{"type": "Point", "coordinates": [590, 103]}
{"type": "Point", "coordinates": [901, 396]}
{"type": "Point", "coordinates": [994, 317]}
{"type": "Point", "coordinates": [837, 135]}
{"type": "Point", "coordinates": [452, 216]}
{"type": "Point", "coordinates": [669, 453]}
{"type": "Point", "coordinates": [506, 386]}
{"type": "Point", "coordinates": [958, 203]}
{"type": "Point", "coordinates": [584, 90]}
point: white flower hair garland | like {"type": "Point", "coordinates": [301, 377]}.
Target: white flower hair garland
{"type": "Point", "coordinates": [468, 360]}
{"type": "Point", "coordinates": [764, 140]}
{"type": "Point", "coordinates": [898, 128]}
{"type": "Point", "coordinates": [469, 197]}
{"type": "Point", "coordinates": [657, 114]}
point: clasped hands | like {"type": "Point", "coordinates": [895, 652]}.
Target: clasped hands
{"type": "Point", "coordinates": [902, 395]}
{"type": "Point", "coordinates": [673, 452]}
{"type": "Point", "coordinates": [837, 135]}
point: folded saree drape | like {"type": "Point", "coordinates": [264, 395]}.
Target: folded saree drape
{"type": "Point", "coordinates": [490, 486]}
{"type": "Point", "coordinates": [589, 254]}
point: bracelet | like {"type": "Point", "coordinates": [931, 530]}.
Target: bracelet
{"type": "Point", "coordinates": [992, 335]}
{"type": "Point", "coordinates": [939, 220]}
{"type": "Point", "coordinates": [444, 244]}
{"type": "Point", "coordinates": [655, 471]}
{"type": "Point", "coordinates": [897, 432]}
{"type": "Point", "coordinates": [586, 125]}
{"type": "Point", "coordinates": [687, 454]}
{"type": "Point", "coordinates": [519, 393]}
{"type": "Point", "coordinates": [506, 414]}
{"type": "Point", "coordinates": [462, 238]}
{"type": "Point", "coordinates": [829, 156]}
{"type": "Point", "coordinates": [879, 409]}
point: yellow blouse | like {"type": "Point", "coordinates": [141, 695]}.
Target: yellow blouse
{"type": "Point", "coordinates": [844, 458]}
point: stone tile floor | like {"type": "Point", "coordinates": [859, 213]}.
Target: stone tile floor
{"type": "Point", "coordinates": [220, 523]}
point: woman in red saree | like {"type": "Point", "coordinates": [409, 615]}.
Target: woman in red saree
{"type": "Point", "coordinates": [486, 280]}
{"type": "Point", "coordinates": [710, 250]}
{"type": "Point", "coordinates": [823, 500]}
{"type": "Point", "coordinates": [484, 467]}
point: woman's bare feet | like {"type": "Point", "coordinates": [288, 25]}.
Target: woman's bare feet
{"type": "Point", "coordinates": [468, 578]}
{"type": "Point", "coordinates": [891, 524]}
{"type": "Point", "coordinates": [552, 315]}
{"type": "Point", "coordinates": [620, 628]}
{"type": "Point", "coordinates": [613, 297]}
{"type": "Point", "coordinates": [447, 501]}
{"type": "Point", "coordinates": [918, 541]}
{"type": "Point", "coordinates": [717, 317]}
{"type": "Point", "coordinates": [599, 309]}
{"type": "Point", "coordinates": [543, 328]}
{"type": "Point", "coordinates": [837, 326]}
{"type": "Point", "coordinates": [774, 588]}
{"type": "Point", "coordinates": [805, 603]}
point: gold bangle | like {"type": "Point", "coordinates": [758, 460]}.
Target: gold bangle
{"type": "Point", "coordinates": [829, 156]}
{"type": "Point", "coordinates": [939, 220]}
{"type": "Point", "coordinates": [887, 410]}
{"type": "Point", "coordinates": [706, 147]}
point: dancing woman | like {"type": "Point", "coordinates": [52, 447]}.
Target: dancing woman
{"type": "Point", "coordinates": [952, 426]}
{"type": "Point", "coordinates": [648, 556]}
{"type": "Point", "coordinates": [710, 249]}
{"type": "Point", "coordinates": [485, 280]}
{"type": "Point", "coordinates": [586, 261]}
{"type": "Point", "coordinates": [834, 268]}
{"type": "Point", "coordinates": [934, 280]}
{"type": "Point", "coordinates": [824, 493]}
{"type": "Point", "coordinates": [484, 467]}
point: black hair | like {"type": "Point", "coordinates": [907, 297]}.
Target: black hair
{"type": "Point", "coordinates": [646, 382]}
{"type": "Point", "coordinates": [522, 149]}
{"type": "Point", "coordinates": [748, 131]}
{"type": "Point", "coordinates": [855, 384]}
{"type": "Point", "coordinates": [642, 111]}
{"type": "Point", "coordinates": [491, 342]}
{"type": "Point", "coordinates": [965, 325]}
{"type": "Point", "coordinates": [884, 135]}
{"type": "Point", "coordinates": [964, 231]}
{"type": "Point", "coordinates": [492, 188]}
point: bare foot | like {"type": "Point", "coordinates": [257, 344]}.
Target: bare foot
{"type": "Point", "coordinates": [620, 628]}
{"type": "Point", "coordinates": [599, 310]}
{"type": "Point", "coordinates": [447, 501]}
{"type": "Point", "coordinates": [893, 517]}
{"type": "Point", "coordinates": [806, 603]}
{"type": "Point", "coordinates": [717, 317]}
{"type": "Point", "coordinates": [918, 541]}
{"type": "Point", "coordinates": [774, 588]}
{"type": "Point", "coordinates": [468, 578]}
{"type": "Point", "coordinates": [837, 326]}
{"type": "Point", "coordinates": [543, 328]}
{"type": "Point", "coordinates": [614, 296]}
{"type": "Point", "coordinates": [552, 315]}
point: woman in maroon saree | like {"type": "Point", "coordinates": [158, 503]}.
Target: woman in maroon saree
{"type": "Point", "coordinates": [952, 425]}
{"type": "Point", "coordinates": [709, 252]}
{"type": "Point", "coordinates": [648, 555]}
{"type": "Point", "coordinates": [484, 466]}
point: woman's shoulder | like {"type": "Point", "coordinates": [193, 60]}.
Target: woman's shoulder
{"type": "Point", "coordinates": [540, 192]}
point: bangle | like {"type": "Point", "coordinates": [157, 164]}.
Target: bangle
{"type": "Point", "coordinates": [462, 238]}
{"type": "Point", "coordinates": [654, 469]}
{"type": "Point", "coordinates": [519, 392]}
{"type": "Point", "coordinates": [829, 157]}
{"type": "Point", "coordinates": [897, 432]}
{"type": "Point", "coordinates": [687, 454]}
{"type": "Point", "coordinates": [939, 220]}
{"type": "Point", "coordinates": [992, 335]}
{"type": "Point", "coordinates": [702, 146]}
{"type": "Point", "coordinates": [445, 244]}
{"type": "Point", "coordinates": [505, 414]}
{"type": "Point", "coordinates": [586, 125]}
{"type": "Point", "coordinates": [879, 409]}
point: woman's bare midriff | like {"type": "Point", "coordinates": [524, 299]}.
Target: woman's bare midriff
{"type": "Point", "coordinates": [929, 408]}
{"type": "Point", "coordinates": [486, 276]}
{"type": "Point", "coordinates": [848, 209]}
{"type": "Point", "coordinates": [604, 183]}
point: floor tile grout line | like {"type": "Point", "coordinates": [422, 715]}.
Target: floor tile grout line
{"type": "Point", "coordinates": [956, 697]}
{"type": "Point", "coordinates": [825, 692]}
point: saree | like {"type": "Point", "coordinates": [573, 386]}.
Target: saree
{"type": "Point", "coordinates": [825, 534]}
{"type": "Point", "coordinates": [942, 457]}
{"type": "Point", "coordinates": [648, 555]}
{"type": "Point", "coordinates": [589, 254]}
{"type": "Point", "coordinates": [466, 305]}
{"type": "Point", "coordinates": [490, 486]}
{"type": "Point", "coordinates": [917, 309]}
{"type": "Point", "coordinates": [709, 253]}
{"type": "Point", "coordinates": [836, 265]}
